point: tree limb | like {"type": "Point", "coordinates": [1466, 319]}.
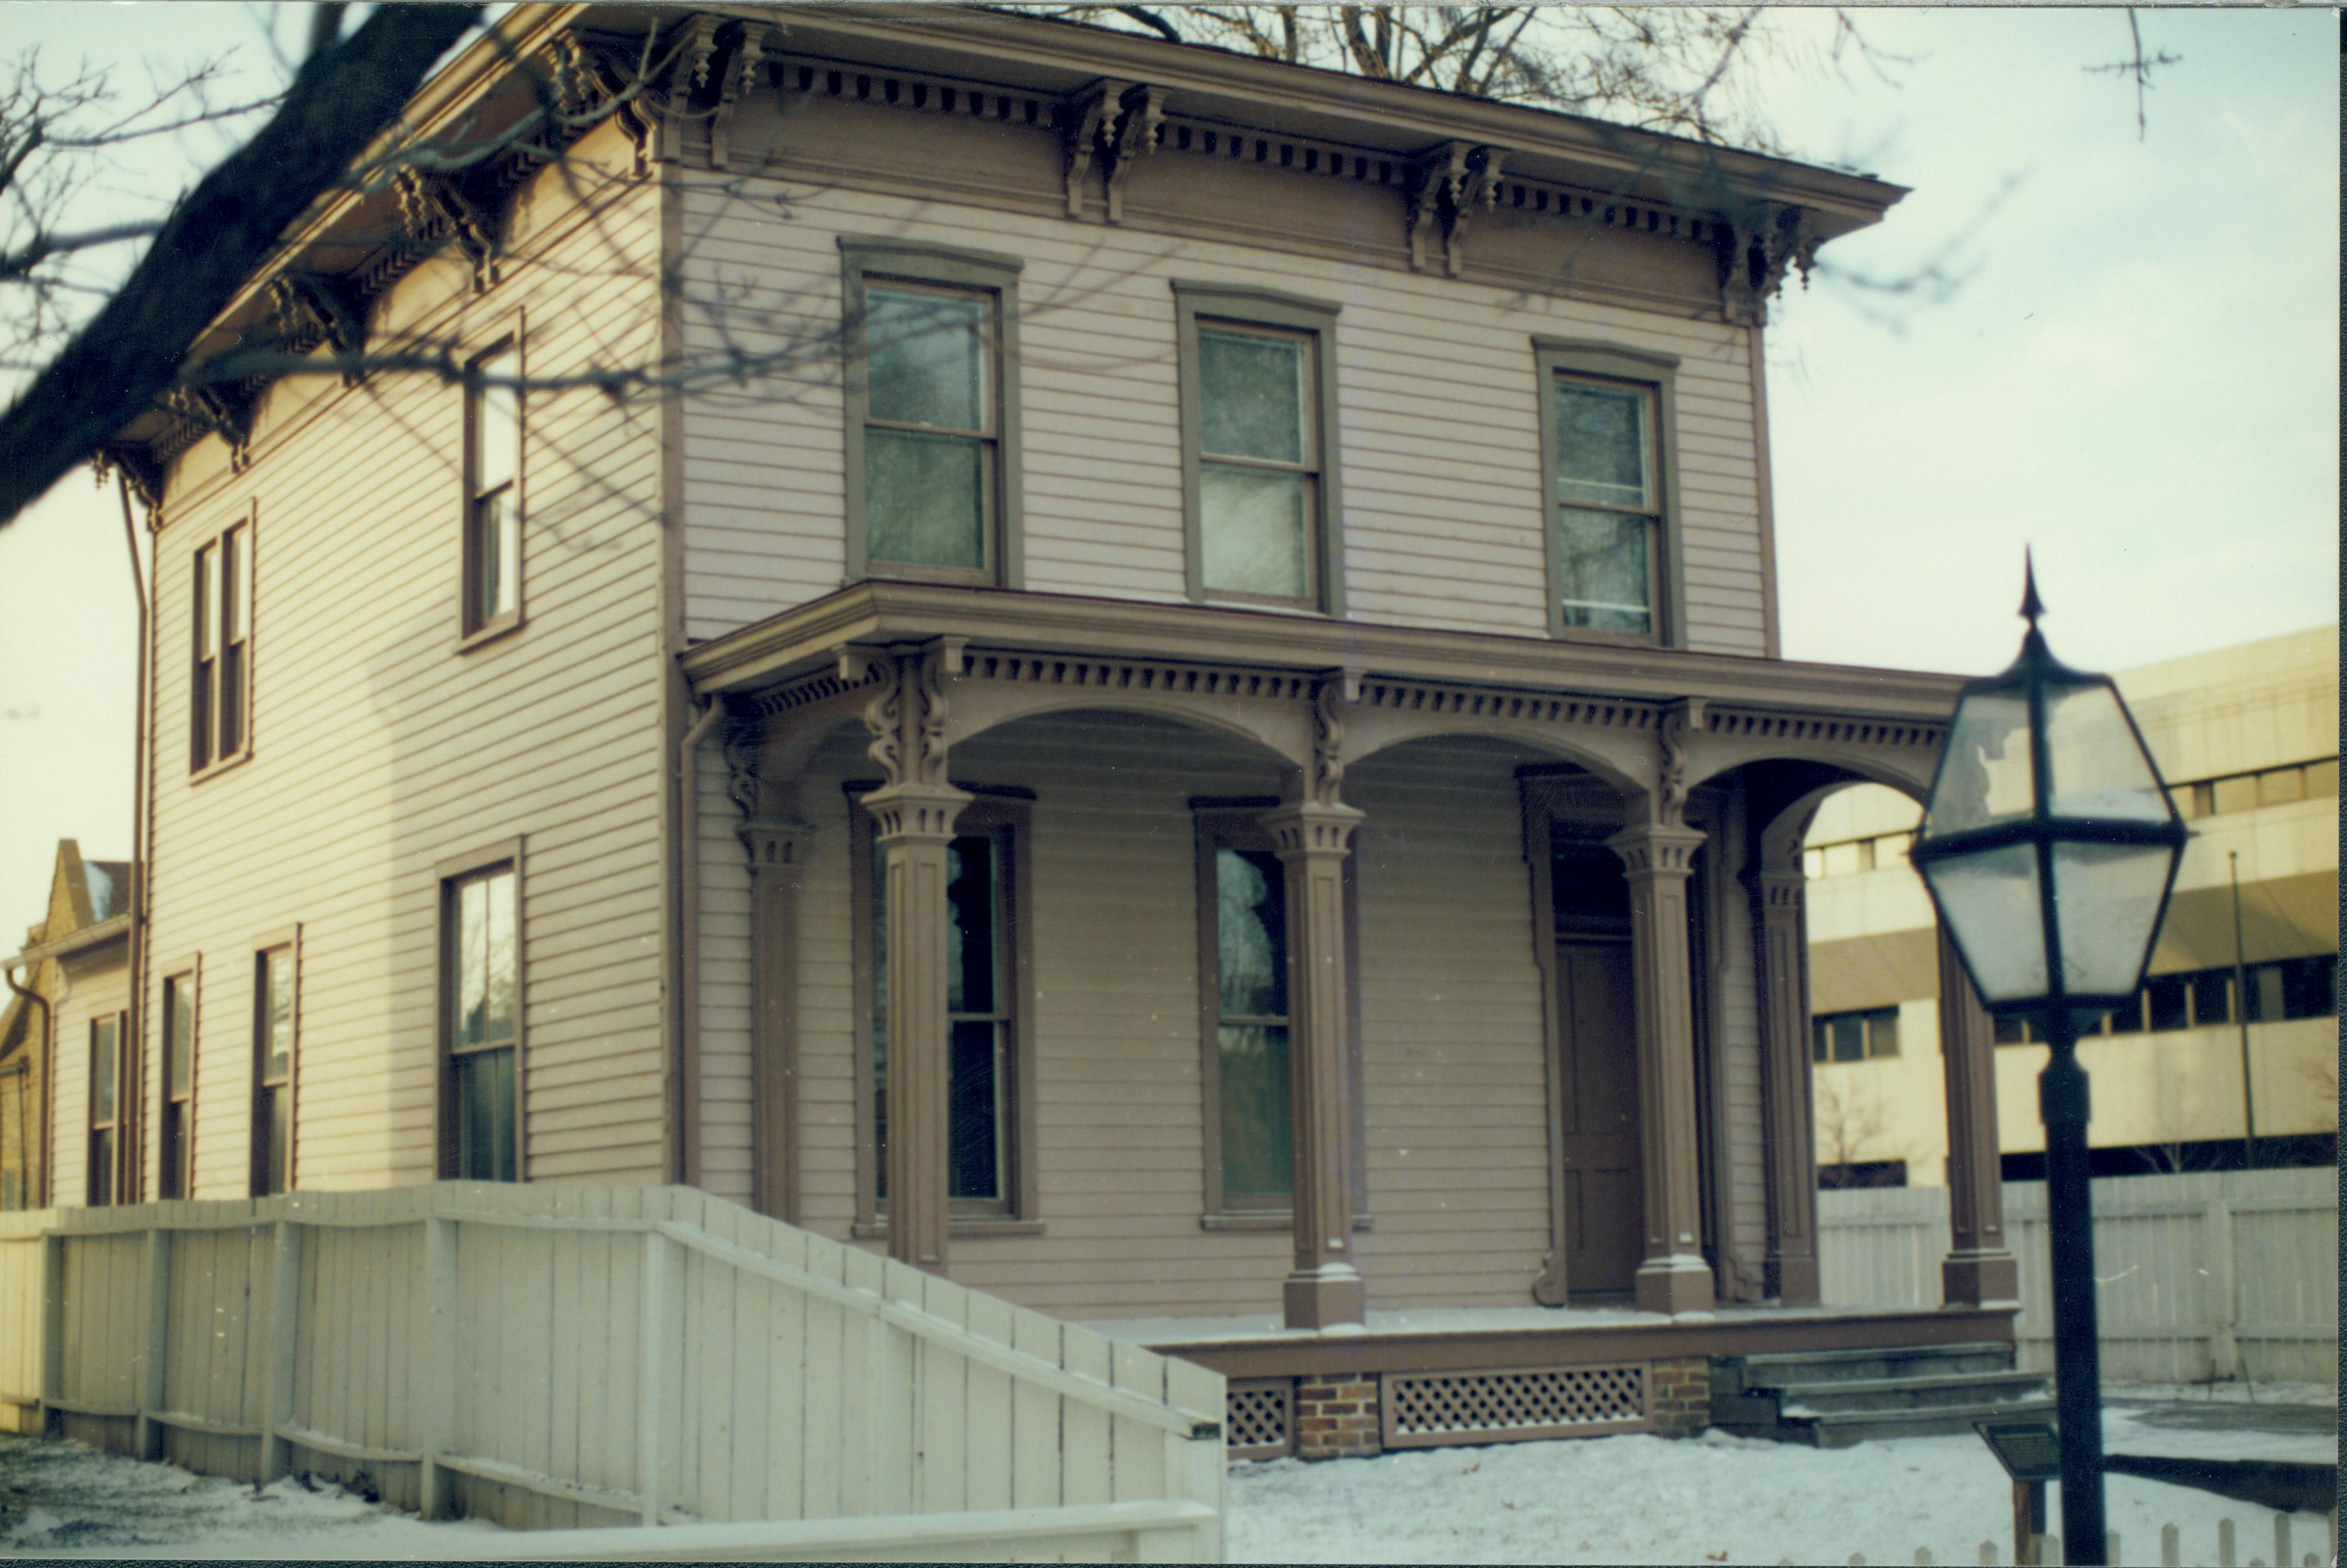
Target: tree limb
{"type": "Point", "coordinates": [217, 238]}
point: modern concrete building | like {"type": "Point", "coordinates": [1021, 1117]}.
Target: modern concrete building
{"type": "Point", "coordinates": [2246, 738]}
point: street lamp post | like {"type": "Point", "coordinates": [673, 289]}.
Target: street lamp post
{"type": "Point", "coordinates": [2050, 847]}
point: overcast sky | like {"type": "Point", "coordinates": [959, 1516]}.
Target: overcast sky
{"type": "Point", "coordinates": [2137, 374]}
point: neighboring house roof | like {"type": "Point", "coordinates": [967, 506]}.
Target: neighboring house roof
{"type": "Point", "coordinates": [89, 908]}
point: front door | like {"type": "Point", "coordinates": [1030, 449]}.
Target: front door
{"type": "Point", "coordinates": [1605, 1213]}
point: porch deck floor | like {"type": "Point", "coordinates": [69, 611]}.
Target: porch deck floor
{"type": "Point", "coordinates": [1267, 1327]}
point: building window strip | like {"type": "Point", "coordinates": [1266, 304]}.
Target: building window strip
{"type": "Point", "coordinates": [176, 1145]}
{"type": "Point", "coordinates": [988, 1000]}
{"type": "Point", "coordinates": [1260, 446]}
{"type": "Point", "coordinates": [483, 1012]}
{"type": "Point", "coordinates": [276, 1052]}
{"type": "Point", "coordinates": [930, 340]}
{"type": "Point", "coordinates": [221, 676]}
{"type": "Point", "coordinates": [1609, 464]}
{"type": "Point", "coordinates": [1863, 1036]}
{"type": "Point", "coordinates": [493, 491]}
{"type": "Point", "coordinates": [107, 1101]}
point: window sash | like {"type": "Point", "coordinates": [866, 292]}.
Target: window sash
{"type": "Point", "coordinates": [1255, 1155]}
{"type": "Point", "coordinates": [984, 394]}
{"type": "Point", "coordinates": [1570, 495]}
{"type": "Point", "coordinates": [493, 463]}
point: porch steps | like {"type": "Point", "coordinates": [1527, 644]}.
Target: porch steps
{"type": "Point", "coordinates": [1833, 1398]}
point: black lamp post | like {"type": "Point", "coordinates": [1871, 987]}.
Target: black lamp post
{"type": "Point", "coordinates": [2049, 846]}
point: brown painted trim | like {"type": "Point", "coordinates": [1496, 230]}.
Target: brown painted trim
{"type": "Point", "coordinates": [679, 963]}
{"type": "Point", "coordinates": [1764, 481]}
{"type": "Point", "coordinates": [809, 636]}
{"type": "Point", "coordinates": [446, 874]}
{"type": "Point", "coordinates": [1571, 1346]}
{"type": "Point", "coordinates": [682, 1088]}
{"type": "Point", "coordinates": [978, 271]}
{"type": "Point", "coordinates": [1246, 305]}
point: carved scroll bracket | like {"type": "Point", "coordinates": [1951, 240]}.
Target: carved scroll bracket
{"type": "Point", "coordinates": [742, 74]}
{"type": "Point", "coordinates": [1445, 187]}
{"type": "Point", "coordinates": [1331, 696]}
{"type": "Point", "coordinates": [429, 201]}
{"type": "Point", "coordinates": [1755, 251]}
{"type": "Point", "coordinates": [306, 307]}
{"type": "Point", "coordinates": [1680, 719]}
{"type": "Point", "coordinates": [1113, 122]}
{"type": "Point", "coordinates": [218, 411]}
{"type": "Point", "coordinates": [906, 718]}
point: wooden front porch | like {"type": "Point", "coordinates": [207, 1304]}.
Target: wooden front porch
{"type": "Point", "coordinates": [1439, 1377]}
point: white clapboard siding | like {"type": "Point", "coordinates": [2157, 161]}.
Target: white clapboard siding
{"type": "Point", "coordinates": [380, 750]}
{"type": "Point", "coordinates": [538, 1355]}
{"type": "Point", "coordinates": [2217, 1274]}
{"type": "Point", "coordinates": [1438, 411]}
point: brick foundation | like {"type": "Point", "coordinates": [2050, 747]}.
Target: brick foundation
{"type": "Point", "coordinates": [1678, 1397]}
{"type": "Point", "coordinates": [1337, 1417]}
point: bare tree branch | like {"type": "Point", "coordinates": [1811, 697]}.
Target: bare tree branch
{"type": "Point", "coordinates": [216, 238]}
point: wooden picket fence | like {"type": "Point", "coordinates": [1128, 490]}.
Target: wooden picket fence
{"type": "Point", "coordinates": [560, 1358]}
{"type": "Point", "coordinates": [2202, 1275]}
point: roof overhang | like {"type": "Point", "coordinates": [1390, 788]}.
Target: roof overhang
{"type": "Point", "coordinates": [88, 940]}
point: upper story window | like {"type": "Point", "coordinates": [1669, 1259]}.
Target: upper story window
{"type": "Point", "coordinates": [481, 982]}
{"type": "Point", "coordinates": [1259, 447]}
{"type": "Point", "coordinates": [1607, 439]}
{"type": "Point", "coordinates": [220, 725]}
{"type": "Point", "coordinates": [492, 585]}
{"type": "Point", "coordinates": [932, 392]}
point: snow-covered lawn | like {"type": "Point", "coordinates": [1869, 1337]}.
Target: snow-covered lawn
{"type": "Point", "coordinates": [1604, 1499]}
{"type": "Point", "coordinates": [1720, 1499]}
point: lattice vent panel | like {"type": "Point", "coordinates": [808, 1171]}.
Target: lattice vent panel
{"type": "Point", "coordinates": [1423, 1411]}
{"type": "Point", "coordinates": [1260, 1419]}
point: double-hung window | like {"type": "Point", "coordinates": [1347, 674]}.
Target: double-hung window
{"type": "Point", "coordinates": [931, 342]}
{"type": "Point", "coordinates": [989, 1174]}
{"type": "Point", "coordinates": [177, 1151]}
{"type": "Point", "coordinates": [105, 1096]}
{"type": "Point", "coordinates": [492, 585]}
{"type": "Point", "coordinates": [1244, 937]}
{"type": "Point", "coordinates": [1258, 446]}
{"type": "Point", "coordinates": [1607, 438]}
{"type": "Point", "coordinates": [221, 689]}
{"type": "Point", "coordinates": [481, 984]}
{"type": "Point", "coordinates": [276, 1021]}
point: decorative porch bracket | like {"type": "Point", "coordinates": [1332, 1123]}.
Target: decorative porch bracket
{"type": "Point", "coordinates": [1781, 927]}
{"type": "Point", "coordinates": [913, 814]}
{"type": "Point", "coordinates": [1979, 1267]}
{"type": "Point", "coordinates": [1656, 859]}
{"type": "Point", "coordinates": [1446, 186]}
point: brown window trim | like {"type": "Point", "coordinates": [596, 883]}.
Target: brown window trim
{"type": "Point", "coordinates": [118, 1126]}
{"type": "Point", "coordinates": [177, 1179]}
{"type": "Point", "coordinates": [505, 854]}
{"type": "Point", "coordinates": [863, 257]}
{"type": "Point", "coordinates": [287, 941]}
{"type": "Point", "coordinates": [996, 807]}
{"type": "Point", "coordinates": [205, 760]}
{"type": "Point", "coordinates": [1239, 305]}
{"type": "Point", "coordinates": [1584, 359]}
{"type": "Point", "coordinates": [473, 631]}
{"type": "Point", "coordinates": [1237, 821]}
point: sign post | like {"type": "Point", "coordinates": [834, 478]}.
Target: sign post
{"type": "Point", "coordinates": [2031, 1456]}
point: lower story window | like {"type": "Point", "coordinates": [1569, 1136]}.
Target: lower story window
{"type": "Point", "coordinates": [275, 1022]}
{"type": "Point", "coordinates": [482, 966]}
{"type": "Point", "coordinates": [177, 1151]}
{"type": "Point", "coordinates": [105, 1107]}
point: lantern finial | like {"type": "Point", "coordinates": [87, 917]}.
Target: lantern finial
{"type": "Point", "coordinates": [2031, 606]}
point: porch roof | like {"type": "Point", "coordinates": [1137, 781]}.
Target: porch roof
{"type": "Point", "coordinates": [809, 637]}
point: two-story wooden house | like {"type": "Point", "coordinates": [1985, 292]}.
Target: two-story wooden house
{"type": "Point", "coordinates": [1147, 676]}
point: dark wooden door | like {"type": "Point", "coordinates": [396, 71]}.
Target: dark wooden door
{"type": "Point", "coordinates": [1603, 1211]}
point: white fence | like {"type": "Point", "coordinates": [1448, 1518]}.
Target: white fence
{"type": "Point", "coordinates": [555, 1358]}
{"type": "Point", "coordinates": [2200, 1275]}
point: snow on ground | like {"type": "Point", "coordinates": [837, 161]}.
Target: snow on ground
{"type": "Point", "coordinates": [66, 1499]}
{"type": "Point", "coordinates": [1719, 1499]}
{"type": "Point", "coordinates": [1635, 1499]}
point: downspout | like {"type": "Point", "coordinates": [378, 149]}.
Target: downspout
{"type": "Point", "coordinates": [131, 1183]}
{"type": "Point", "coordinates": [684, 1069]}
{"type": "Point", "coordinates": [40, 1199]}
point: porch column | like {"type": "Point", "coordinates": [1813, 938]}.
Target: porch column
{"type": "Point", "coordinates": [1979, 1267]}
{"type": "Point", "coordinates": [914, 825]}
{"type": "Point", "coordinates": [777, 859]}
{"type": "Point", "coordinates": [1312, 839]}
{"type": "Point", "coordinates": [1657, 857]}
{"type": "Point", "coordinates": [1781, 920]}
